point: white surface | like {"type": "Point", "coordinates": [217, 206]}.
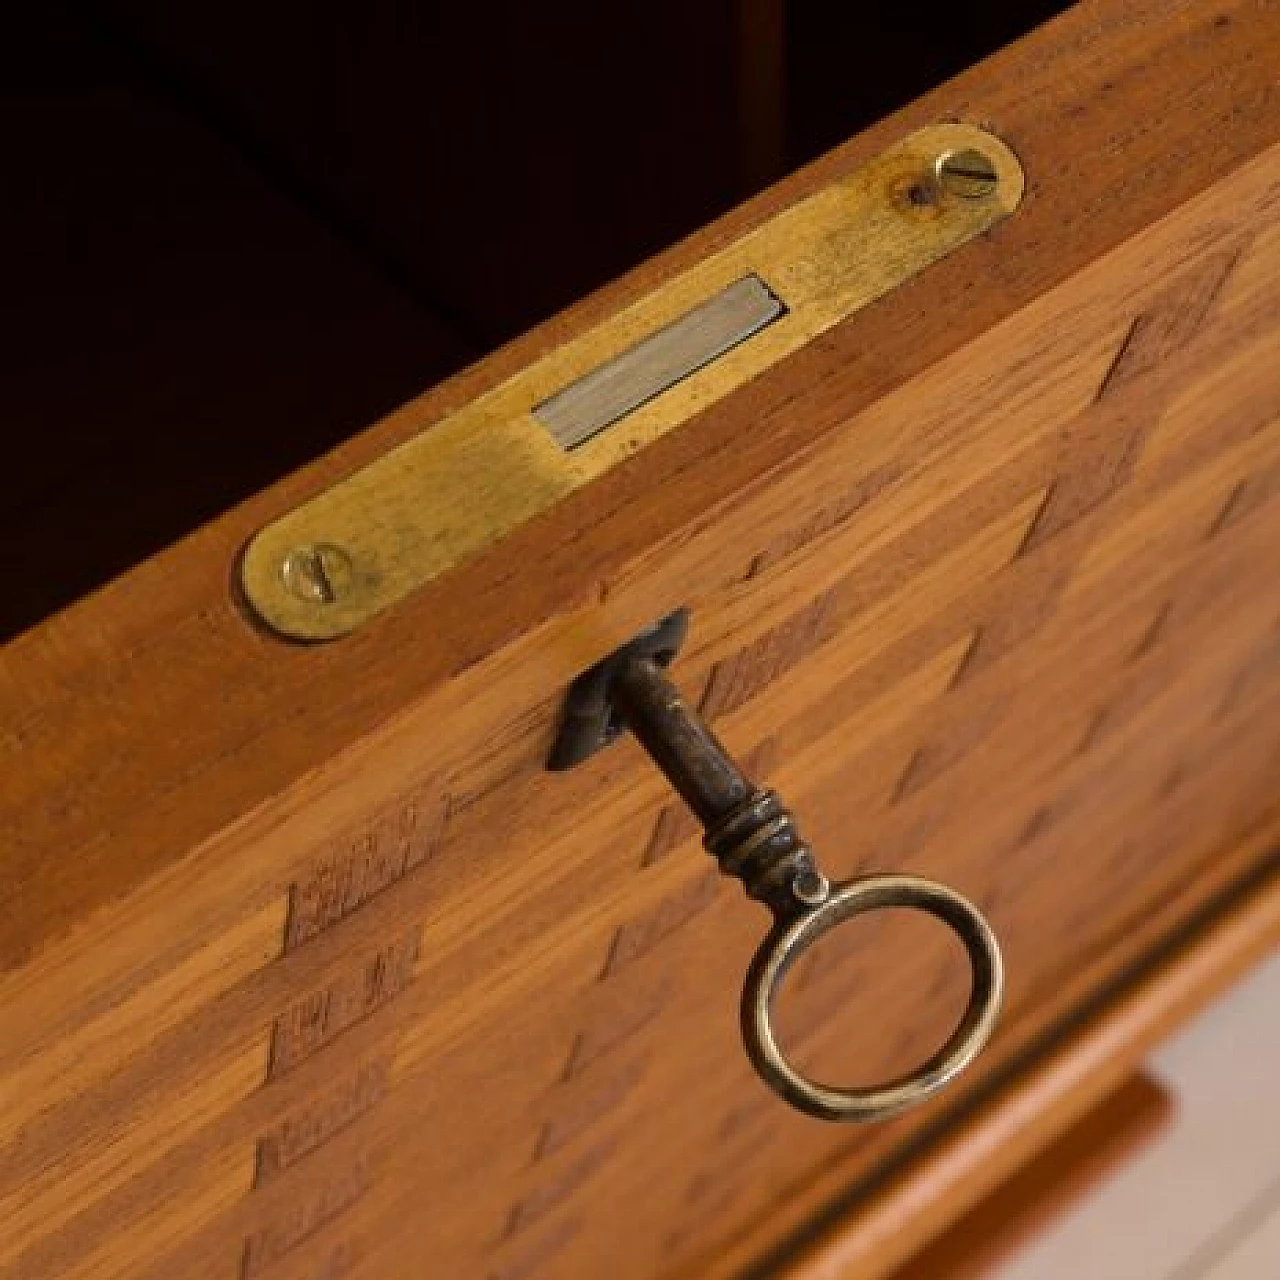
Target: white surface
{"type": "Point", "coordinates": [1203, 1200]}
{"type": "Point", "coordinates": [1253, 1258]}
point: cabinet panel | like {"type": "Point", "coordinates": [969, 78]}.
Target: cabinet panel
{"type": "Point", "coordinates": [311, 968]}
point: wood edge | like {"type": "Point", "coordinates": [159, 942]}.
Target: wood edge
{"type": "Point", "coordinates": [607, 528]}
{"type": "Point", "coordinates": [1107, 1138]}
{"type": "Point", "coordinates": [814, 1210]}
{"type": "Point", "coordinates": [1085, 27]}
{"type": "Point", "coordinates": [1064, 1081]}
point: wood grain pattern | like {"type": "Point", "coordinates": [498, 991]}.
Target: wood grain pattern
{"type": "Point", "coordinates": [1062, 1084]}
{"type": "Point", "coordinates": [991, 589]}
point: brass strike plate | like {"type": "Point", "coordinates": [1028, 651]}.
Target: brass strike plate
{"type": "Point", "coordinates": [468, 480]}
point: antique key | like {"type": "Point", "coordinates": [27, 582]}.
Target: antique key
{"type": "Point", "coordinates": [753, 836]}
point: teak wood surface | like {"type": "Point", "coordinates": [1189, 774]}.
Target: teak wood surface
{"type": "Point", "coordinates": [1057, 1084]}
{"type": "Point", "coordinates": [308, 968]}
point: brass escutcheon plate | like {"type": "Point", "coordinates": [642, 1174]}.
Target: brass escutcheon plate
{"type": "Point", "coordinates": [471, 478]}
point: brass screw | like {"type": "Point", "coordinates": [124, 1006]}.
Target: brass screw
{"type": "Point", "coordinates": [320, 573]}
{"type": "Point", "coordinates": [968, 174]}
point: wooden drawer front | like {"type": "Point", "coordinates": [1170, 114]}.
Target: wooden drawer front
{"type": "Point", "coordinates": [928, 1212]}
{"type": "Point", "coordinates": [1031, 648]}
{"type": "Point", "coordinates": [427, 1009]}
